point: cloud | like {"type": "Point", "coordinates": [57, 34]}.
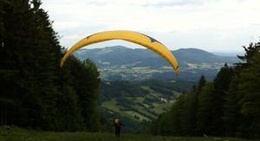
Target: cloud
{"type": "Point", "coordinates": [207, 24]}
{"type": "Point", "coordinates": [173, 3]}
{"type": "Point", "coordinates": [98, 2]}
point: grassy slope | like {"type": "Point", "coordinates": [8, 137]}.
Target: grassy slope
{"type": "Point", "coordinates": [24, 135]}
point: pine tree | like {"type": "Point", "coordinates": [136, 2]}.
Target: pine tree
{"type": "Point", "coordinates": [242, 101]}
{"type": "Point", "coordinates": [13, 53]}
{"type": "Point", "coordinates": [6, 72]}
{"type": "Point", "coordinates": [204, 114]}
{"type": "Point", "coordinates": [189, 113]}
{"type": "Point", "coordinates": [87, 85]}
{"type": "Point", "coordinates": [230, 109]}
{"type": "Point", "coordinates": [175, 118]}
{"type": "Point", "coordinates": [201, 83]}
{"type": "Point", "coordinates": [221, 83]}
{"type": "Point", "coordinates": [29, 57]}
{"type": "Point", "coordinates": [248, 90]}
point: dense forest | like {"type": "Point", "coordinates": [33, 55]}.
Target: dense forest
{"type": "Point", "coordinates": [227, 106]}
{"type": "Point", "coordinates": [34, 91]}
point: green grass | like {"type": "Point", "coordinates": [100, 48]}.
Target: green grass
{"type": "Point", "coordinates": [28, 135]}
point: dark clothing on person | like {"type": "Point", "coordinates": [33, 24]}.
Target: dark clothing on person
{"type": "Point", "coordinates": [117, 124]}
{"type": "Point", "coordinates": [117, 131]}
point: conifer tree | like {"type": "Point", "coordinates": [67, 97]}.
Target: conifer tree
{"type": "Point", "coordinates": [189, 113]}
{"type": "Point", "coordinates": [29, 56]}
{"type": "Point", "coordinates": [221, 83]}
{"type": "Point", "coordinates": [241, 113]}
{"type": "Point", "coordinates": [87, 83]}
{"type": "Point", "coordinates": [231, 109]}
{"type": "Point", "coordinates": [249, 93]}
{"type": "Point", "coordinates": [204, 114]}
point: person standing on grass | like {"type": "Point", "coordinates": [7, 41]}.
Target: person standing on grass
{"type": "Point", "coordinates": [117, 125]}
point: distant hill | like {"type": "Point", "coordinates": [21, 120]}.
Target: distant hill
{"type": "Point", "coordinates": [122, 63]}
{"type": "Point", "coordinates": [196, 56]}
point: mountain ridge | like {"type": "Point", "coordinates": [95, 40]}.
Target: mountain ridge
{"type": "Point", "coordinates": [122, 63]}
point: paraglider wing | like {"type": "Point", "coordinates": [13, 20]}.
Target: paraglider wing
{"type": "Point", "coordinates": [130, 36]}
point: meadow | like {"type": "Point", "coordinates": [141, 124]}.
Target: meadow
{"type": "Point", "coordinates": [16, 134]}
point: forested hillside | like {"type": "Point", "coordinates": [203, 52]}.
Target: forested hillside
{"type": "Point", "coordinates": [34, 91]}
{"type": "Point", "coordinates": [227, 106]}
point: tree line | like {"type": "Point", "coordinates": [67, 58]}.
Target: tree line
{"type": "Point", "coordinates": [227, 106]}
{"type": "Point", "coordinates": [34, 91]}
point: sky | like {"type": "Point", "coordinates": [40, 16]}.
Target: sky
{"type": "Point", "coordinates": [211, 25]}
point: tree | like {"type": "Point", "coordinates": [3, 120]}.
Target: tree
{"type": "Point", "coordinates": [204, 114]}
{"type": "Point", "coordinates": [42, 95]}
{"type": "Point", "coordinates": [201, 83]}
{"type": "Point", "coordinates": [221, 83]}
{"type": "Point", "coordinates": [241, 113]}
{"type": "Point", "coordinates": [248, 90]}
{"type": "Point", "coordinates": [17, 20]}
{"type": "Point", "coordinates": [189, 113]}
{"type": "Point", "coordinates": [231, 109]}
{"type": "Point", "coordinates": [86, 83]}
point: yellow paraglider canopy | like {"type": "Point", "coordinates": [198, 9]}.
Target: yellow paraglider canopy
{"type": "Point", "coordinates": [130, 36]}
